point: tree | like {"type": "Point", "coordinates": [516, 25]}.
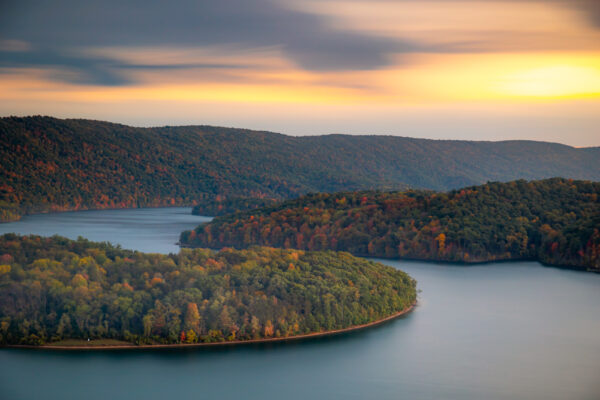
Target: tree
{"type": "Point", "coordinates": [269, 329]}
{"type": "Point", "coordinates": [190, 336]}
{"type": "Point", "coordinates": [192, 318]}
{"type": "Point", "coordinates": [64, 326]}
{"type": "Point", "coordinates": [441, 240]}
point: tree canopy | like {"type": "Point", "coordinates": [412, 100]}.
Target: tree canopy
{"type": "Point", "coordinates": [51, 164]}
{"type": "Point", "coordinates": [556, 221]}
{"type": "Point", "coordinates": [54, 288]}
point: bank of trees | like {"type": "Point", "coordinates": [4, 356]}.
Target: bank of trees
{"type": "Point", "coordinates": [55, 288]}
{"type": "Point", "coordinates": [51, 164]}
{"type": "Point", "coordinates": [221, 205]}
{"type": "Point", "coordinates": [556, 221]}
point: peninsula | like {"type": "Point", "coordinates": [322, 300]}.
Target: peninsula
{"type": "Point", "coordinates": [54, 290]}
{"type": "Point", "coordinates": [555, 221]}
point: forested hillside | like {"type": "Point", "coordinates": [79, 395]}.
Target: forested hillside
{"type": "Point", "coordinates": [556, 221]}
{"type": "Point", "coordinates": [51, 164]}
{"type": "Point", "coordinates": [54, 288]}
{"type": "Point", "coordinates": [222, 206]}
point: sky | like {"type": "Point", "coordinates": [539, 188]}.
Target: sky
{"type": "Point", "coordinates": [441, 69]}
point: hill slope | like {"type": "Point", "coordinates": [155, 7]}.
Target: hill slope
{"type": "Point", "coordinates": [556, 221]}
{"type": "Point", "coordinates": [51, 164]}
{"type": "Point", "coordinates": [54, 288]}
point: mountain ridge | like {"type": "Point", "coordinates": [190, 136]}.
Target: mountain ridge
{"type": "Point", "coordinates": [52, 164]}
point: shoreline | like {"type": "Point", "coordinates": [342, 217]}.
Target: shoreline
{"type": "Point", "coordinates": [461, 263]}
{"type": "Point", "coordinates": [578, 268]}
{"type": "Point", "coordinates": [68, 210]}
{"type": "Point", "coordinates": [225, 343]}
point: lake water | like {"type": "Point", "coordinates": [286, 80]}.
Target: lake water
{"type": "Point", "coordinates": [496, 331]}
{"type": "Point", "coordinates": [154, 230]}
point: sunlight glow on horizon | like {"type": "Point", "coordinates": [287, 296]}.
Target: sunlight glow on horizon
{"type": "Point", "coordinates": [555, 81]}
{"type": "Point", "coordinates": [425, 79]}
{"type": "Point", "coordinates": [451, 55]}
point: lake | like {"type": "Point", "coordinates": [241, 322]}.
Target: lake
{"type": "Point", "coordinates": [154, 230]}
{"type": "Point", "coordinates": [496, 331]}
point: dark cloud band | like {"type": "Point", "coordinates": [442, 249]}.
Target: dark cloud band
{"type": "Point", "coordinates": [58, 30]}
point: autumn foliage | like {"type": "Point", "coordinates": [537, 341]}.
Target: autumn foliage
{"type": "Point", "coordinates": [51, 164]}
{"type": "Point", "coordinates": [55, 288]}
{"type": "Point", "coordinates": [556, 221]}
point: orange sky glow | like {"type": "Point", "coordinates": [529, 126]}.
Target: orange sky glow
{"type": "Point", "coordinates": [489, 70]}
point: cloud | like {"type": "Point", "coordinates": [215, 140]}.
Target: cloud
{"type": "Point", "coordinates": [57, 35]}
{"type": "Point", "coordinates": [74, 69]}
{"type": "Point", "coordinates": [590, 7]}
{"type": "Point", "coordinates": [60, 31]}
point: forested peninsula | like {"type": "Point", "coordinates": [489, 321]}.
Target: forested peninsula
{"type": "Point", "coordinates": [51, 164]}
{"type": "Point", "coordinates": [53, 290]}
{"type": "Point", "coordinates": [555, 221]}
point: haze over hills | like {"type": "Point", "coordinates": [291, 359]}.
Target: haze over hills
{"type": "Point", "coordinates": [51, 164]}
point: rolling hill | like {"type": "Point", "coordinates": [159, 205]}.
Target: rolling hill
{"type": "Point", "coordinates": [51, 164]}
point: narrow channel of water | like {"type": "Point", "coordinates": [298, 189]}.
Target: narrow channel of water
{"type": "Point", "coordinates": [154, 230]}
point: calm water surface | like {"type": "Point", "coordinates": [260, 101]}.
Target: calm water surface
{"type": "Point", "coordinates": [153, 230]}
{"type": "Point", "coordinates": [498, 331]}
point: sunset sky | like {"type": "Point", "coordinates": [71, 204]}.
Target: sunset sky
{"type": "Point", "coordinates": [470, 69]}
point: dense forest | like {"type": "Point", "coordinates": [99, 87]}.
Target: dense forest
{"type": "Point", "coordinates": [54, 288]}
{"type": "Point", "coordinates": [51, 164]}
{"type": "Point", "coordinates": [555, 221]}
{"type": "Point", "coordinates": [223, 206]}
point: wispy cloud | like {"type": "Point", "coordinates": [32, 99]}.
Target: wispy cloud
{"type": "Point", "coordinates": [312, 35]}
{"type": "Point", "coordinates": [362, 66]}
{"type": "Point", "coordinates": [58, 32]}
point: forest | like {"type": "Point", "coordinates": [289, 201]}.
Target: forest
{"type": "Point", "coordinates": [222, 206]}
{"type": "Point", "coordinates": [555, 221]}
{"type": "Point", "coordinates": [51, 164]}
{"type": "Point", "coordinates": [52, 289]}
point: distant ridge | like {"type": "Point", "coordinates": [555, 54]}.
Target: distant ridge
{"type": "Point", "coordinates": [51, 164]}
